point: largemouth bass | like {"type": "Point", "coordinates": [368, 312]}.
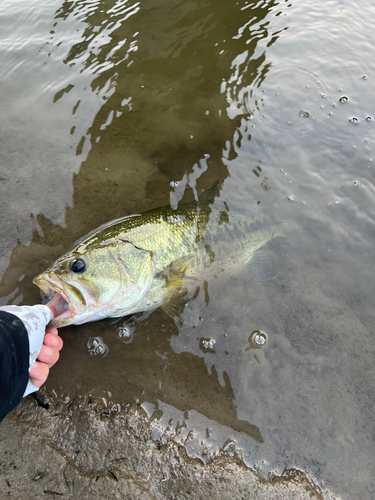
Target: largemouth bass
{"type": "Point", "coordinates": [138, 263]}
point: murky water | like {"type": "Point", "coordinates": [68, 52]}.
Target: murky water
{"type": "Point", "coordinates": [105, 105]}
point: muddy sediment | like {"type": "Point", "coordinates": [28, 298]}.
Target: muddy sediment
{"type": "Point", "coordinates": [84, 450]}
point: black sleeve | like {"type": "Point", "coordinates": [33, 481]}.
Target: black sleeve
{"type": "Point", "coordinates": [14, 362]}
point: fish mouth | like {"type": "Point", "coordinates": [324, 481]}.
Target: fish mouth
{"type": "Point", "coordinates": [67, 301]}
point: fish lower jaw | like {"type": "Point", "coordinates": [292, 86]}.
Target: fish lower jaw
{"type": "Point", "coordinates": [60, 321]}
{"type": "Point", "coordinates": [71, 317]}
{"type": "Point", "coordinates": [63, 312]}
{"type": "Point", "coordinates": [67, 302]}
{"type": "Point", "coordinates": [59, 304]}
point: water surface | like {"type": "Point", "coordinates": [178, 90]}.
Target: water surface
{"type": "Point", "coordinates": [111, 108]}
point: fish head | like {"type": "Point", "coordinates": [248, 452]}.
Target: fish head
{"type": "Point", "coordinates": [96, 281]}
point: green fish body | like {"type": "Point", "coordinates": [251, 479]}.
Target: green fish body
{"type": "Point", "coordinates": [138, 263]}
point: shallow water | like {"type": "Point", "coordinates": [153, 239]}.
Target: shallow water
{"type": "Point", "coordinates": [104, 105]}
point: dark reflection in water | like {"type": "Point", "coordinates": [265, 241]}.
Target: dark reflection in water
{"type": "Point", "coordinates": [147, 369]}
{"type": "Point", "coordinates": [160, 76]}
{"type": "Point", "coordinates": [158, 69]}
{"type": "Point", "coordinates": [160, 59]}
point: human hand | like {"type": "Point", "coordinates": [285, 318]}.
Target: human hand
{"type": "Point", "coordinates": [44, 345]}
{"type": "Point", "coordinates": [47, 357]}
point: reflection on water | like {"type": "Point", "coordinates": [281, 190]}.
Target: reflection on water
{"type": "Point", "coordinates": [116, 103]}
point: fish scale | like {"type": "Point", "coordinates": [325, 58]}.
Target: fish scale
{"type": "Point", "coordinates": [139, 262]}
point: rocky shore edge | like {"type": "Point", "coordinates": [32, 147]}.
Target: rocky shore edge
{"type": "Point", "coordinates": [82, 450]}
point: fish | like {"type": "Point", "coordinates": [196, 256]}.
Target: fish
{"type": "Point", "coordinates": [140, 262]}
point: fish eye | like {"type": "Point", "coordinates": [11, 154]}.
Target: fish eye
{"type": "Point", "coordinates": [77, 266]}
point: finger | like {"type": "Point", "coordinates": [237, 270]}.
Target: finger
{"type": "Point", "coordinates": [38, 373]}
{"type": "Point", "coordinates": [52, 330]}
{"type": "Point", "coordinates": [52, 340]}
{"type": "Point", "coordinates": [53, 310]}
{"type": "Point", "coordinates": [48, 355]}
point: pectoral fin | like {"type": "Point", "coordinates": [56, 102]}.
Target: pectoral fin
{"type": "Point", "coordinates": [174, 278]}
{"type": "Point", "coordinates": [173, 311]}
{"type": "Point", "coordinates": [174, 274]}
